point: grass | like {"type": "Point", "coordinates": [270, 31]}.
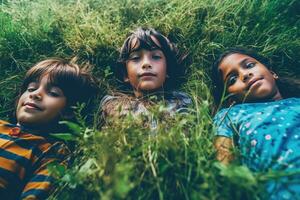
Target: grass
{"type": "Point", "coordinates": [126, 160]}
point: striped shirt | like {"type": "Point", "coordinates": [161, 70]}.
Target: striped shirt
{"type": "Point", "coordinates": [23, 163]}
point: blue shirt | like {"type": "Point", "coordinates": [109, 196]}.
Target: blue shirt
{"type": "Point", "coordinates": [267, 134]}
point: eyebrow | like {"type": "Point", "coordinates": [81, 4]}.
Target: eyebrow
{"type": "Point", "coordinates": [140, 48]}
{"type": "Point", "coordinates": [31, 83]}
{"type": "Point", "coordinates": [135, 49]}
{"type": "Point", "coordinates": [243, 62]}
{"type": "Point", "coordinates": [53, 85]}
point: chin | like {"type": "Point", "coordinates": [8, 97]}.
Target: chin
{"type": "Point", "coordinates": [23, 121]}
{"type": "Point", "coordinates": [148, 88]}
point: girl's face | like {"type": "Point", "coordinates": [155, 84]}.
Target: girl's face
{"type": "Point", "coordinates": [247, 79]}
{"type": "Point", "coordinates": [41, 104]}
{"type": "Point", "coordinates": [146, 70]}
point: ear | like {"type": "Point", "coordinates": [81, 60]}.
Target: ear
{"type": "Point", "coordinates": [275, 76]}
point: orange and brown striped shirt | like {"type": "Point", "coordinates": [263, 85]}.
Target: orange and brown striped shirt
{"type": "Point", "coordinates": [23, 162]}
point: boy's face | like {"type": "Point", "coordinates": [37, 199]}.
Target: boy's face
{"type": "Point", "coordinates": [41, 104]}
{"type": "Point", "coordinates": [146, 70]}
{"type": "Point", "coordinates": [247, 79]}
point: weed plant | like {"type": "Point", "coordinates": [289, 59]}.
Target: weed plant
{"type": "Point", "coordinates": [128, 160]}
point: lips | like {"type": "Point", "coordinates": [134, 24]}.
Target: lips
{"type": "Point", "coordinates": [252, 82]}
{"type": "Point", "coordinates": [32, 106]}
{"type": "Point", "coordinates": [147, 74]}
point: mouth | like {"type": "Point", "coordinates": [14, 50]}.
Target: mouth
{"type": "Point", "coordinates": [253, 82]}
{"type": "Point", "coordinates": [147, 74]}
{"type": "Point", "coordinates": [31, 106]}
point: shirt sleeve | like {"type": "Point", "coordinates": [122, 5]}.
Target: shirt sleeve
{"type": "Point", "coordinates": [110, 106]}
{"type": "Point", "coordinates": [39, 185]}
{"type": "Point", "coordinates": [184, 101]}
{"type": "Point", "coordinates": [105, 101]}
{"type": "Point", "coordinates": [223, 124]}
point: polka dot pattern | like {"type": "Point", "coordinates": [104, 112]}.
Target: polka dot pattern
{"type": "Point", "coordinates": [268, 135]}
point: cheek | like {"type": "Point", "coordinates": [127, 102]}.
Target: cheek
{"type": "Point", "coordinates": [57, 106]}
{"type": "Point", "coordinates": [163, 69]}
{"type": "Point", "coordinates": [271, 79]}
{"type": "Point", "coordinates": [131, 72]}
{"type": "Point", "coordinates": [163, 76]}
{"type": "Point", "coordinates": [61, 105]}
{"type": "Point", "coordinates": [236, 88]}
{"type": "Point", "coordinates": [20, 101]}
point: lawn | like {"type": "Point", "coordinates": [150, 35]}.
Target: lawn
{"type": "Point", "coordinates": [126, 160]}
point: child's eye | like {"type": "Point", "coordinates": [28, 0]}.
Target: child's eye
{"type": "Point", "coordinates": [31, 87]}
{"type": "Point", "coordinates": [231, 80]}
{"type": "Point", "coordinates": [250, 64]}
{"type": "Point", "coordinates": [55, 92]}
{"type": "Point", "coordinates": [156, 57]}
{"type": "Point", "coordinates": [134, 57]}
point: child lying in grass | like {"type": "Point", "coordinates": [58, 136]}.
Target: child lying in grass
{"type": "Point", "coordinates": [263, 118]}
{"type": "Point", "coordinates": [149, 66]}
{"type": "Point", "coordinates": [48, 92]}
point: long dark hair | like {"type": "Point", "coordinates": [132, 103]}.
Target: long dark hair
{"type": "Point", "coordinates": [288, 86]}
{"type": "Point", "coordinates": [143, 38]}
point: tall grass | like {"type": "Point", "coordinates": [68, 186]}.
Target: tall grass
{"type": "Point", "coordinates": [126, 159]}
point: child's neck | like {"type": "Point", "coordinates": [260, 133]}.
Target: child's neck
{"type": "Point", "coordinates": [277, 96]}
{"type": "Point", "coordinates": [38, 130]}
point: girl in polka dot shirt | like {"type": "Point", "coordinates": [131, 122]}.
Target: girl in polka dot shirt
{"type": "Point", "coordinates": [261, 119]}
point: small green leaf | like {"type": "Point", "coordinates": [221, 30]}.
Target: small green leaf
{"type": "Point", "coordinates": [64, 136]}
{"type": "Point", "coordinates": [76, 129]}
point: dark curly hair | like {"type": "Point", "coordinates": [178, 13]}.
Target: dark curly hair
{"type": "Point", "coordinates": [143, 38]}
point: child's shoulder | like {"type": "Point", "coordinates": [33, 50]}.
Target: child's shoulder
{"type": "Point", "coordinates": [10, 131]}
{"type": "Point", "coordinates": [111, 104]}
{"type": "Point", "coordinates": [183, 97]}
{"type": "Point", "coordinates": [249, 108]}
{"type": "Point", "coordinates": [115, 98]}
{"type": "Point", "coordinates": [293, 100]}
{"type": "Point", "coordinates": [178, 102]}
{"type": "Point", "coordinates": [6, 127]}
{"type": "Point", "coordinates": [2, 122]}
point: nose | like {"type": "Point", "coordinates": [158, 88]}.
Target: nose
{"type": "Point", "coordinates": [146, 63]}
{"type": "Point", "coordinates": [36, 95]}
{"type": "Point", "coordinates": [247, 75]}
